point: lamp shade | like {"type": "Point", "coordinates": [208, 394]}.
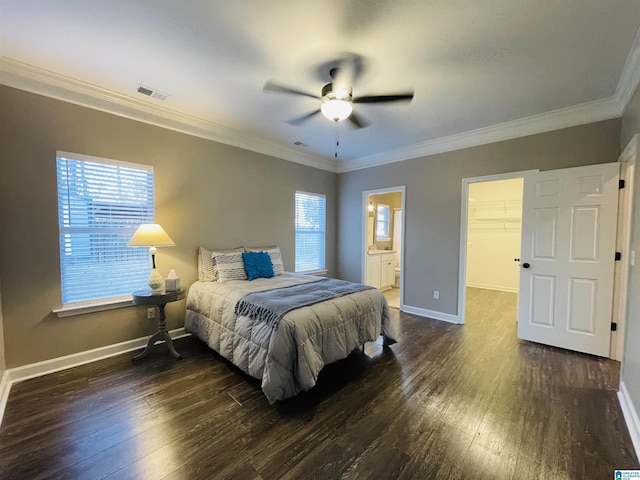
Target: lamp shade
{"type": "Point", "coordinates": [150, 235]}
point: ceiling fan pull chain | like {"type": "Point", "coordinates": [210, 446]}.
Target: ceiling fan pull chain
{"type": "Point", "coordinates": [337, 140]}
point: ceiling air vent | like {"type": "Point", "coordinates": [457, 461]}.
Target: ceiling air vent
{"type": "Point", "coordinates": [150, 92]}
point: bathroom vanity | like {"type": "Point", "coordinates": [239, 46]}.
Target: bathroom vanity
{"type": "Point", "coordinates": [381, 268]}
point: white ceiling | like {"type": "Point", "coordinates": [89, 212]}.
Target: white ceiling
{"type": "Point", "coordinates": [482, 70]}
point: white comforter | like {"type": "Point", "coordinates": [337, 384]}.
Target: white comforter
{"type": "Point", "coordinates": [289, 358]}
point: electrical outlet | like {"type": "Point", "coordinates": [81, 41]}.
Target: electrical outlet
{"type": "Point", "coordinates": [151, 313]}
{"type": "Point", "coordinates": [436, 294]}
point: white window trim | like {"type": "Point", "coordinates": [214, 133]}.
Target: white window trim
{"type": "Point", "coordinates": [80, 308]}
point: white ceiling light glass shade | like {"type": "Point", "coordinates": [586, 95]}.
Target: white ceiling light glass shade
{"type": "Point", "coordinates": [336, 109]}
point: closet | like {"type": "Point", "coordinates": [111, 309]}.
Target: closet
{"type": "Point", "coordinates": [493, 235]}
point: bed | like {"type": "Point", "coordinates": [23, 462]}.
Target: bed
{"type": "Point", "coordinates": [287, 357]}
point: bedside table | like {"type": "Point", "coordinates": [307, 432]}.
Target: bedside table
{"type": "Point", "coordinates": [146, 297]}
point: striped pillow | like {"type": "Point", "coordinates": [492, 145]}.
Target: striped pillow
{"type": "Point", "coordinates": [228, 266]}
{"type": "Point", "coordinates": [274, 254]}
{"type": "Point", "coordinates": [205, 262]}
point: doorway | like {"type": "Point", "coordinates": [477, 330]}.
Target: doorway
{"type": "Point", "coordinates": [492, 233]}
{"type": "Point", "coordinates": [490, 237]}
{"type": "Point", "coordinates": [383, 228]}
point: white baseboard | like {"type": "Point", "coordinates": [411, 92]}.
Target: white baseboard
{"type": "Point", "coordinates": [630, 417]}
{"type": "Point", "coordinates": [423, 312]}
{"type": "Point", "coordinates": [5, 387]}
{"type": "Point", "coordinates": [493, 287]}
{"type": "Point", "coordinates": [38, 369]}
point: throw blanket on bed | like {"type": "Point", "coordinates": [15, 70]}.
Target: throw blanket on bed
{"type": "Point", "coordinates": [270, 306]}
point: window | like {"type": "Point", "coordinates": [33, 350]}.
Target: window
{"type": "Point", "coordinates": [310, 232]}
{"type": "Point", "coordinates": [100, 204]}
{"type": "Point", "coordinates": [382, 222]}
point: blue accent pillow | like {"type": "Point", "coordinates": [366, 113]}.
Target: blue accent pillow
{"type": "Point", "coordinates": [257, 265]}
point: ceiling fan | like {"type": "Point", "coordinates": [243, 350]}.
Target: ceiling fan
{"type": "Point", "coordinates": [337, 99]}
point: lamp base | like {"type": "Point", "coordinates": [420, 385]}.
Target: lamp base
{"type": "Point", "coordinates": [156, 282]}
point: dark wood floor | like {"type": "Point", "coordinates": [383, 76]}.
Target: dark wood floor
{"type": "Point", "coordinates": [447, 401]}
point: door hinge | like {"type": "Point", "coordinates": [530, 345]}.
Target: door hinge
{"type": "Point", "coordinates": [620, 184]}
{"type": "Point", "coordinates": [618, 256]}
{"type": "Point", "coordinates": [614, 326]}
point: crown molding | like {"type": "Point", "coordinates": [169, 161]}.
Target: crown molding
{"type": "Point", "coordinates": [36, 80]}
{"type": "Point", "coordinates": [43, 82]}
{"type": "Point", "coordinates": [590, 112]}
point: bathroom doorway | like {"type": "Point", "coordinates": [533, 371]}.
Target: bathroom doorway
{"type": "Point", "coordinates": [383, 229]}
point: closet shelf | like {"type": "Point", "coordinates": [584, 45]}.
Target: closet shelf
{"type": "Point", "coordinates": [498, 219]}
{"type": "Point", "coordinates": [487, 216]}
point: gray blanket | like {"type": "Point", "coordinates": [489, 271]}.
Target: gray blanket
{"type": "Point", "coordinates": [271, 305]}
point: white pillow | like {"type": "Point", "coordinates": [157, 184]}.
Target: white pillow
{"type": "Point", "coordinates": [228, 266]}
{"type": "Point", "coordinates": [274, 254]}
{"type": "Point", "coordinates": [206, 272]}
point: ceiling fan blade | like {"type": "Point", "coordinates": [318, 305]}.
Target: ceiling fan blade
{"type": "Point", "coordinates": [274, 87]}
{"type": "Point", "coordinates": [401, 97]}
{"type": "Point", "coordinates": [358, 120]}
{"type": "Point", "coordinates": [303, 118]}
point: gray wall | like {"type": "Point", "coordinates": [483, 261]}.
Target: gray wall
{"type": "Point", "coordinates": [433, 189]}
{"type": "Point", "coordinates": [631, 361]}
{"type": "Point", "coordinates": [206, 194]}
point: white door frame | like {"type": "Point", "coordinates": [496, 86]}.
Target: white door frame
{"type": "Point", "coordinates": [365, 214]}
{"type": "Point", "coordinates": [464, 220]}
{"type": "Point", "coordinates": [623, 245]}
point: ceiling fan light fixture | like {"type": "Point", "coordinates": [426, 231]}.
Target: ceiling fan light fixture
{"type": "Point", "coordinates": [341, 92]}
{"type": "Point", "coordinates": [336, 109]}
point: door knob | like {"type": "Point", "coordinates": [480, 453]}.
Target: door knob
{"type": "Point", "coordinates": [525, 265]}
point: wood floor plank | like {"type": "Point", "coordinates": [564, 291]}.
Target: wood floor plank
{"type": "Point", "coordinates": [139, 407]}
{"type": "Point", "coordinates": [446, 402]}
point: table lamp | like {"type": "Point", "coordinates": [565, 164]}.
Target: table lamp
{"type": "Point", "coordinates": [152, 235]}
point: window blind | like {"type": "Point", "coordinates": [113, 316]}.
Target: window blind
{"type": "Point", "coordinates": [101, 203]}
{"type": "Point", "coordinates": [310, 223]}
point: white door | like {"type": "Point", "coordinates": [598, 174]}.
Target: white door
{"type": "Point", "coordinates": [567, 257]}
